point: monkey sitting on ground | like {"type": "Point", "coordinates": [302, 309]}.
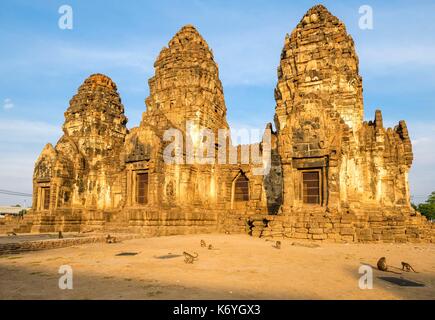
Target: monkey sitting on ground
{"type": "Point", "coordinates": [203, 244]}
{"type": "Point", "coordinates": [60, 235]}
{"type": "Point", "coordinates": [277, 245]}
{"type": "Point", "coordinates": [11, 234]}
{"type": "Point", "coordinates": [407, 267]}
{"type": "Point", "coordinates": [382, 264]}
{"type": "Point", "coordinates": [110, 239]}
{"type": "Point", "coordinates": [210, 247]}
{"type": "Point", "coordinates": [189, 258]}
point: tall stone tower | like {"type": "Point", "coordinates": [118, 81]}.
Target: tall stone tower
{"type": "Point", "coordinates": [95, 119]}
{"type": "Point", "coordinates": [186, 85]}
{"type": "Point", "coordinates": [80, 174]}
{"type": "Point", "coordinates": [187, 95]}
{"type": "Point", "coordinates": [333, 161]}
{"type": "Point", "coordinates": [319, 58]}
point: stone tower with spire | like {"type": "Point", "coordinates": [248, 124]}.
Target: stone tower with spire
{"type": "Point", "coordinates": [319, 58]}
{"type": "Point", "coordinates": [186, 85]}
{"type": "Point", "coordinates": [79, 177]}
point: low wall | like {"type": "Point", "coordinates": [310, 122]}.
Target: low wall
{"type": "Point", "coordinates": [344, 228]}
{"type": "Point", "coordinates": [362, 225]}
{"type": "Point", "coordinates": [25, 246]}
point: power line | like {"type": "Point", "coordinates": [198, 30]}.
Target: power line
{"type": "Point", "coordinates": [15, 193]}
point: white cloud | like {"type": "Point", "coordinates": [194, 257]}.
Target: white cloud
{"type": "Point", "coordinates": [54, 56]}
{"type": "Point", "coordinates": [388, 55]}
{"type": "Point", "coordinates": [7, 104]}
{"type": "Point", "coordinates": [25, 131]}
{"type": "Point", "coordinates": [88, 57]}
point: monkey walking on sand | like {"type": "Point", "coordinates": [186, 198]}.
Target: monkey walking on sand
{"type": "Point", "coordinates": [407, 267]}
{"type": "Point", "coordinates": [11, 234]}
{"type": "Point", "coordinates": [277, 245]}
{"type": "Point", "coordinates": [189, 258]}
{"type": "Point", "coordinates": [110, 239]}
{"type": "Point", "coordinates": [203, 244]}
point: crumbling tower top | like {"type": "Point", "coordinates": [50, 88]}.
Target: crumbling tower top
{"type": "Point", "coordinates": [95, 117]}
{"type": "Point", "coordinates": [186, 85]}
{"type": "Point", "coordinates": [319, 58]}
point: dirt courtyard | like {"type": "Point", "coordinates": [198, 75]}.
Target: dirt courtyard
{"type": "Point", "coordinates": [238, 267]}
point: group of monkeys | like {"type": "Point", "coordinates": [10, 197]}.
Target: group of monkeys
{"type": "Point", "coordinates": [382, 265]}
{"type": "Point", "coordinates": [190, 258]}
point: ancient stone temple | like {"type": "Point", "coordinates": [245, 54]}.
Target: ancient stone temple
{"type": "Point", "coordinates": [330, 174]}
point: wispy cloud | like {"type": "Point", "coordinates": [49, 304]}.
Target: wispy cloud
{"type": "Point", "coordinates": [138, 58]}
{"type": "Point", "coordinates": [27, 131]}
{"type": "Point", "coordinates": [51, 56]}
{"type": "Point", "coordinates": [389, 55]}
{"type": "Point", "coordinates": [7, 104]}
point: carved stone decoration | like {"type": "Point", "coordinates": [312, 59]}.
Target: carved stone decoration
{"type": "Point", "coordinates": [45, 164]}
{"type": "Point", "coordinates": [43, 170]}
{"type": "Point", "coordinates": [138, 152]}
{"type": "Point", "coordinates": [170, 192]}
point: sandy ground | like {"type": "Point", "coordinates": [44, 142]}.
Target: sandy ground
{"type": "Point", "coordinates": [240, 267]}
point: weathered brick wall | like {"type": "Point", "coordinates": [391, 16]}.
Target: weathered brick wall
{"type": "Point", "coordinates": [345, 228]}
{"type": "Point", "coordinates": [20, 247]}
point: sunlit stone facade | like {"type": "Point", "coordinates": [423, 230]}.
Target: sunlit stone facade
{"type": "Point", "coordinates": [330, 175]}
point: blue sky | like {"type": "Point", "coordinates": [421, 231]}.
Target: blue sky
{"type": "Point", "coordinates": [42, 66]}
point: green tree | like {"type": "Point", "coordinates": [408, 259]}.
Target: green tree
{"type": "Point", "coordinates": [428, 208]}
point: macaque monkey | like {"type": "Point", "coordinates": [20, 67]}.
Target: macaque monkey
{"type": "Point", "coordinates": [382, 264]}
{"type": "Point", "coordinates": [407, 267]}
{"type": "Point", "coordinates": [189, 258]}
{"type": "Point", "coordinates": [110, 239]}
{"type": "Point", "coordinates": [203, 244]}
